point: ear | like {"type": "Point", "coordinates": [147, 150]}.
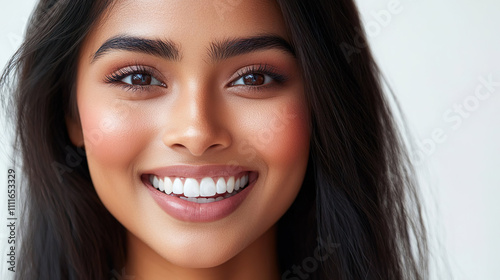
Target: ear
{"type": "Point", "coordinates": [75, 131]}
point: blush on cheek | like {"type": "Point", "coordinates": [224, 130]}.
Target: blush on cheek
{"type": "Point", "coordinates": [112, 135]}
{"type": "Point", "coordinates": [285, 138]}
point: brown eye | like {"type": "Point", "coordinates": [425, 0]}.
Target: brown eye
{"type": "Point", "coordinates": [254, 79]}
{"type": "Point", "coordinates": [141, 79]}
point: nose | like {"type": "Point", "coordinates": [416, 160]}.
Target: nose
{"type": "Point", "coordinates": [196, 125]}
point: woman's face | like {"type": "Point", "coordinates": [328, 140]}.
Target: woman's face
{"type": "Point", "coordinates": [195, 98]}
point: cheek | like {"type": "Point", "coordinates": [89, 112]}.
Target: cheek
{"type": "Point", "coordinates": [291, 130]}
{"type": "Point", "coordinates": [115, 134]}
{"type": "Point", "coordinates": [282, 137]}
{"type": "Point", "coordinates": [113, 131]}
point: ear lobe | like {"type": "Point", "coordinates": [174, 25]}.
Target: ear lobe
{"type": "Point", "coordinates": [75, 131]}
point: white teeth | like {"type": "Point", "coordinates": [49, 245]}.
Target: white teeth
{"type": "Point", "coordinates": [193, 191]}
{"type": "Point", "coordinates": [237, 184]}
{"type": "Point", "coordinates": [207, 187]}
{"type": "Point", "coordinates": [221, 186]}
{"type": "Point", "coordinates": [177, 187]}
{"type": "Point", "coordinates": [191, 188]}
{"type": "Point", "coordinates": [167, 184]}
{"type": "Point", "coordinates": [161, 186]}
{"type": "Point", "coordinates": [155, 182]}
{"type": "Point", "coordinates": [230, 184]}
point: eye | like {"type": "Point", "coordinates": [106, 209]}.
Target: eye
{"type": "Point", "coordinates": [253, 79]}
{"type": "Point", "coordinates": [135, 77]}
{"type": "Point", "coordinates": [141, 79]}
{"type": "Point", "coordinates": [258, 77]}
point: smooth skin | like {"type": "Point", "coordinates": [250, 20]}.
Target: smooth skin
{"type": "Point", "coordinates": [192, 111]}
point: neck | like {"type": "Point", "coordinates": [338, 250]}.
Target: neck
{"type": "Point", "coordinates": [257, 261]}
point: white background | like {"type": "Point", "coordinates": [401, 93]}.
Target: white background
{"type": "Point", "coordinates": [433, 54]}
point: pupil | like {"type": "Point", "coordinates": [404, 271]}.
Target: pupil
{"type": "Point", "coordinates": [141, 79]}
{"type": "Point", "coordinates": [254, 79]}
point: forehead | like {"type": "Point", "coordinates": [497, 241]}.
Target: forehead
{"type": "Point", "coordinates": [191, 24]}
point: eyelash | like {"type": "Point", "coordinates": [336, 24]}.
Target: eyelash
{"type": "Point", "coordinates": [265, 69]}
{"type": "Point", "coordinates": [119, 75]}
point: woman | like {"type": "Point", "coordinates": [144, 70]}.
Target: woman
{"type": "Point", "coordinates": [223, 140]}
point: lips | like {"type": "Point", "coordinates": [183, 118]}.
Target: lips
{"type": "Point", "coordinates": [199, 193]}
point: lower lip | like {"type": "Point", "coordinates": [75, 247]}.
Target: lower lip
{"type": "Point", "coordinates": [198, 212]}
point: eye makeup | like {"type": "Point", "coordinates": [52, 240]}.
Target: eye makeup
{"type": "Point", "coordinates": [144, 78]}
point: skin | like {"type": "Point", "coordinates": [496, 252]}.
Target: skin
{"type": "Point", "coordinates": [193, 118]}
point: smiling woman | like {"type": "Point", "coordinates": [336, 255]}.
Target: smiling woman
{"type": "Point", "coordinates": [192, 99]}
{"type": "Point", "coordinates": [242, 147]}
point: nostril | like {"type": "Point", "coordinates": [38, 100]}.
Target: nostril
{"type": "Point", "coordinates": [197, 149]}
{"type": "Point", "coordinates": [197, 140]}
{"type": "Point", "coordinates": [214, 146]}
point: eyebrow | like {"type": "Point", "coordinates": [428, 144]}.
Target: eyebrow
{"type": "Point", "coordinates": [162, 48]}
{"type": "Point", "coordinates": [218, 50]}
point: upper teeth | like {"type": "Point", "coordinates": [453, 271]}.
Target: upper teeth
{"type": "Point", "coordinates": [191, 187]}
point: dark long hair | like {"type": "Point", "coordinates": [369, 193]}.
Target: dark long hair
{"type": "Point", "coordinates": [357, 215]}
{"type": "Point", "coordinates": [358, 191]}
